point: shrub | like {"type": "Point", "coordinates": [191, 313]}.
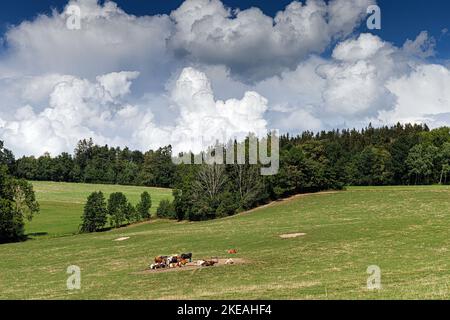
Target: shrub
{"type": "Point", "coordinates": [166, 210]}
{"type": "Point", "coordinates": [95, 213]}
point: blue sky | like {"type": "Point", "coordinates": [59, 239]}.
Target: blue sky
{"type": "Point", "coordinates": [402, 19]}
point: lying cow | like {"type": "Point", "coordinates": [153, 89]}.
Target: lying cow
{"type": "Point", "coordinates": [207, 263]}
{"type": "Point", "coordinates": [210, 263]}
{"type": "Point", "coordinates": [186, 256]}
{"type": "Point", "coordinates": [183, 262]}
{"type": "Point", "coordinates": [229, 261]}
{"type": "Point", "coordinates": [172, 259]}
{"type": "Point", "coordinates": [155, 266]}
{"type": "Point", "coordinates": [176, 261]}
{"type": "Point", "coordinates": [161, 259]}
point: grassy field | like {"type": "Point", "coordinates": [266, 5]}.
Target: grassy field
{"type": "Point", "coordinates": [62, 205]}
{"type": "Point", "coordinates": [403, 230]}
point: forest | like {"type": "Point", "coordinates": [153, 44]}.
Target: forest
{"type": "Point", "coordinates": [409, 154]}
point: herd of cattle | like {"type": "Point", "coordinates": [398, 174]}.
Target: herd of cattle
{"type": "Point", "coordinates": [181, 260]}
{"type": "Point", "coordinates": [162, 262]}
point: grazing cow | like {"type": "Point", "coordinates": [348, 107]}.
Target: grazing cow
{"type": "Point", "coordinates": [232, 251]}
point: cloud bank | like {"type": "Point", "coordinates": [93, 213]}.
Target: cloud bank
{"type": "Point", "coordinates": [207, 72]}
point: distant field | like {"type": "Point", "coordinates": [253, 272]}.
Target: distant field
{"type": "Point", "coordinates": [62, 204]}
{"type": "Point", "coordinates": [403, 230]}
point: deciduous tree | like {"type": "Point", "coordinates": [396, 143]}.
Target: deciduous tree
{"type": "Point", "coordinates": [95, 213]}
{"type": "Point", "coordinates": [143, 207]}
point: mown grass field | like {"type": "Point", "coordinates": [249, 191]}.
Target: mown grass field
{"type": "Point", "coordinates": [403, 230]}
{"type": "Point", "coordinates": [62, 204]}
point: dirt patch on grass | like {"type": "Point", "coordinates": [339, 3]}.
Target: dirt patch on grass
{"type": "Point", "coordinates": [122, 239]}
{"type": "Point", "coordinates": [193, 266]}
{"type": "Point", "coordinates": [292, 235]}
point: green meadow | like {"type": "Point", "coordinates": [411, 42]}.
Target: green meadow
{"type": "Point", "coordinates": [403, 230]}
{"type": "Point", "coordinates": [62, 204]}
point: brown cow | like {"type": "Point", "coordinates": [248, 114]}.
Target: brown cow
{"type": "Point", "coordinates": [182, 262]}
{"type": "Point", "coordinates": [160, 259]}
{"type": "Point", "coordinates": [209, 263]}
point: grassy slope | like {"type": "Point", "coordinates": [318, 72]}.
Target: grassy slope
{"type": "Point", "coordinates": [403, 230]}
{"type": "Point", "coordinates": [62, 204]}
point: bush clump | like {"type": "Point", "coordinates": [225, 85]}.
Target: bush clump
{"type": "Point", "coordinates": [166, 210]}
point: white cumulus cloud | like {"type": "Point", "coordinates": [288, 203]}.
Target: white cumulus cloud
{"type": "Point", "coordinates": [255, 45]}
{"type": "Point", "coordinates": [81, 108]}
{"type": "Point", "coordinates": [207, 72]}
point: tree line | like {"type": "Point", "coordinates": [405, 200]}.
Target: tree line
{"type": "Point", "coordinates": [397, 155]}
{"type": "Point", "coordinates": [407, 154]}
{"type": "Point", "coordinates": [91, 163]}
{"type": "Point", "coordinates": [328, 160]}
{"type": "Point", "coordinates": [118, 209]}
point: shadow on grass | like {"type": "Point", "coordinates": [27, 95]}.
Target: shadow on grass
{"type": "Point", "coordinates": [105, 229]}
{"type": "Point", "coordinates": [37, 234]}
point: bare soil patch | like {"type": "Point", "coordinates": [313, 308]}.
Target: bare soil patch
{"type": "Point", "coordinates": [292, 235]}
{"type": "Point", "coordinates": [193, 266]}
{"type": "Point", "coordinates": [122, 239]}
